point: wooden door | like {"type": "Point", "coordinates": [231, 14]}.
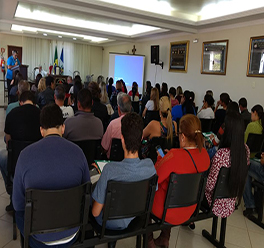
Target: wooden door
{"type": "Point", "coordinates": [18, 49]}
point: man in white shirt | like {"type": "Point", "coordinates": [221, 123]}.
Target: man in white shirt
{"type": "Point", "coordinates": [59, 97]}
{"type": "Point", "coordinates": [40, 71]}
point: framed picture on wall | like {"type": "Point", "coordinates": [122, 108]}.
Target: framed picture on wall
{"type": "Point", "coordinates": [255, 66]}
{"type": "Point", "coordinates": [214, 57]}
{"type": "Point", "coordinates": [179, 56]}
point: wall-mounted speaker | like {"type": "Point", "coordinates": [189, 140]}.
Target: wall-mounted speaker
{"type": "Point", "coordinates": [154, 54]}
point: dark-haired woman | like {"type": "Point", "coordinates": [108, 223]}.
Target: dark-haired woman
{"type": "Point", "coordinates": [232, 143]}
{"type": "Point", "coordinates": [179, 161]}
{"type": "Point", "coordinates": [206, 112]}
{"type": "Point", "coordinates": [110, 88]}
{"type": "Point", "coordinates": [164, 90]}
{"type": "Point", "coordinates": [185, 108]}
{"type": "Point", "coordinates": [256, 124]}
{"type": "Point", "coordinates": [134, 92]}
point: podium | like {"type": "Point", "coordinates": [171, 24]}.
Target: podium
{"type": "Point", "coordinates": [23, 69]}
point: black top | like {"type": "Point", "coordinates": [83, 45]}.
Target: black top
{"type": "Point", "coordinates": [23, 123]}
{"type": "Point", "coordinates": [219, 119]}
{"type": "Point", "coordinates": [246, 115]}
{"type": "Point", "coordinates": [45, 97]}
{"type": "Point", "coordinates": [100, 111]}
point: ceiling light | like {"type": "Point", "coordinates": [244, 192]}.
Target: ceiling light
{"type": "Point", "coordinates": [28, 12]}
{"type": "Point", "coordinates": [74, 38]}
{"type": "Point", "coordinates": [222, 8]}
{"type": "Point", "coordinates": [20, 28]}
{"type": "Point", "coordinates": [155, 6]}
{"type": "Point", "coordinates": [45, 34]}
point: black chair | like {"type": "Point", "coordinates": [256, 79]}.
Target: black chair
{"type": "Point", "coordinates": [150, 116]}
{"type": "Point", "coordinates": [164, 143]}
{"type": "Point", "coordinates": [13, 149]}
{"type": "Point", "coordinates": [206, 124]}
{"type": "Point", "coordinates": [221, 191]}
{"type": "Point", "coordinates": [56, 210]}
{"type": "Point", "coordinates": [125, 200]}
{"type": "Point", "coordinates": [117, 152]}
{"type": "Point", "coordinates": [259, 201]}
{"type": "Point", "coordinates": [255, 142]}
{"type": "Point", "coordinates": [91, 149]}
{"type": "Point", "coordinates": [135, 106]}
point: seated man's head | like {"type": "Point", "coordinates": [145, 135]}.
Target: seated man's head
{"type": "Point", "coordinates": [27, 97]}
{"type": "Point", "coordinates": [50, 82]}
{"type": "Point", "coordinates": [242, 103]}
{"type": "Point", "coordinates": [51, 120]}
{"type": "Point", "coordinates": [23, 86]}
{"type": "Point", "coordinates": [131, 133]}
{"type": "Point", "coordinates": [124, 103]}
{"type": "Point", "coordinates": [59, 95]}
{"type": "Point", "coordinates": [85, 101]}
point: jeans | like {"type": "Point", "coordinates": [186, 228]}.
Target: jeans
{"type": "Point", "coordinates": [3, 164]}
{"type": "Point", "coordinates": [256, 171]}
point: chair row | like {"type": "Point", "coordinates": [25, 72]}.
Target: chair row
{"type": "Point", "coordinates": [123, 200]}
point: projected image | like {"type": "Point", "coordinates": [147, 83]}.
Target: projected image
{"type": "Point", "coordinates": [130, 68]}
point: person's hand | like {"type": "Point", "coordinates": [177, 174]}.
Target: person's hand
{"type": "Point", "coordinates": [16, 63]}
{"type": "Point", "coordinates": [12, 82]}
{"type": "Point", "coordinates": [218, 103]}
{"type": "Point", "coordinates": [262, 158]}
{"type": "Point", "coordinates": [166, 150]}
{"type": "Point", "coordinates": [211, 137]}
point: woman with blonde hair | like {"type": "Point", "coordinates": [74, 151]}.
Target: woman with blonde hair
{"type": "Point", "coordinates": [166, 127]}
{"type": "Point", "coordinates": [104, 98]}
{"type": "Point", "coordinates": [153, 103]}
{"type": "Point", "coordinates": [190, 158]}
{"type": "Point", "coordinates": [41, 87]}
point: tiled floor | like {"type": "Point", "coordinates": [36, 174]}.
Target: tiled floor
{"type": "Point", "coordinates": [240, 231]}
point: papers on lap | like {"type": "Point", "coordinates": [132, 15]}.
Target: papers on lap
{"type": "Point", "coordinates": [207, 137]}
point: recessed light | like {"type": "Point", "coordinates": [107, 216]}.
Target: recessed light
{"type": "Point", "coordinates": [74, 38]}
{"type": "Point", "coordinates": [45, 34]}
{"type": "Point", "coordinates": [60, 36]}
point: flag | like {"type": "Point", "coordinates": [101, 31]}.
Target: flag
{"type": "Point", "coordinates": [61, 61]}
{"type": "Point", "coordinates": [55, 59]}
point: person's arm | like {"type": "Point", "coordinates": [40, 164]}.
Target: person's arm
{"type": "Point", "coordinates": [7, 138]}
{"type": "Point", "coordinates": [175, 127]}
{"type": "Point", "coordinates": [97, 208]}
{"type": "Point", "coordinates": [217, 105]}
{"type": "Point", "coordinates": [144, 112]}
{"type": "Point", "coordinates": [148, 130]}
{"type": "Point", "coordinates": [107, 138]}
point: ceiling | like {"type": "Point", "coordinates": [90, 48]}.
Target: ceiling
{"type": "Point", "coordinates": [107, 22]}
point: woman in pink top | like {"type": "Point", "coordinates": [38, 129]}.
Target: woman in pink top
{"type": "Point", "coordinates": [232, 153]}
{"type": "Point", "coordinates": [172, 93]}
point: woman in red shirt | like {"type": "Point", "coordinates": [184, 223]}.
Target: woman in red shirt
{"type": "Point", "coordinates": [179, 161]}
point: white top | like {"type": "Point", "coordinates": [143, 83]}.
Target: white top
{"type": "Point", "coordinates": [67, 111]}
{"type": "Point", "coordinates": [207, 113]}
{"type": "Point", "coordinates": [71, 90]}
{"type": "Point", "coordinates": [43, 73]}
{"type": "Point", "coordinates": [150, 105]}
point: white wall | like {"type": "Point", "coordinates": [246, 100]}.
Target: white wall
{"type": "Point", "coordinates": [235, 82]}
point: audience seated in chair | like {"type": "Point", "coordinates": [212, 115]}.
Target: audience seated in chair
{"type": "Point", "coordinates": [244, 111]}
{"type": "Point", "coordinates": [165, 128]}
{"type": "Point", "coordinates": [52, 163]}
{"type": "Point", "coordinates": [206, 111]}
{"type": "Point", "coordinates": [153, 103]}
{"type": "Point", "coordinates": [186, 106]}
{"type": "Point", "coordinates": [113, 98]}
{"type": "Point", "coordinates": [134, 92]}
{"type": "Point", "coordinates": [60, 96]}
{"type": "Point", "coordinates": [146, 96]}
{"type": "Point", "coordinates": [256, 126]}
{"type": "Point", "coordinates": [99, 109]}
{"type": "Point", "coordinates": [23, 85]}
{"type": "Point", "coordinates": [172, 94]}
{"type": "Point", "coordinates": [114, 128]}
{"type": "Point", "coordinates": [47, 96]}
{"type": "Point", "coordinates": [190, 158]}
{"type": "Point", "coordinates": [13, 97]}
{"type": "Point", "coordinates": [131, 169]}
{"type": "Point", "coordinates": [83, 125]}
{"type": "Point", "coordinates": [104, 98]}
{"type": "Point", "coordinates": [232, 153]}
{"type": "Point", "coordinates": [22, 124]}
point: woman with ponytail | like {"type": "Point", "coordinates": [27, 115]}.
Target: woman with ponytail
{"type": "Point", "coordinates": [179, 161]}
{"type": "Point", "coordinates": [256, 124]}
{"type": "Point", "coordinates": [166, 127]}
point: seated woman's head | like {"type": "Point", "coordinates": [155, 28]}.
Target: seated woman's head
{"type": "Point", "coordinates": [190, 132]}
{"type": "Point", "coordinates": [232, 107]}
{"type": "Point", "coordinates": [257, 113]}
{"type": "Point", "coordinates": [42, 84]}
{"type": "Point", "coordinates": [154, 96]}
{"type": "Point", "coordinates": [208, 100]}
{"type": "Point", "coordinates": [165, 113]}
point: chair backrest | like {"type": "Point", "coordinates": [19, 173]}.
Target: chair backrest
{"type": "Point", "coordinates": [206, 124]}
{"type": "Point", "coordinates": [164, 143]}
{"type": "Point", "coordinates": [255, 142]}
{"type": "Point", "coordinates": [135, 106]}
{"type": "Point", "coordinates": [56, 210]}
{"type": "Point", "coordinates": [184, 190]}
{"type": "Point", "coordinates": [150, 116]}
{"type": "Point", "coordinates": [14, 149]}
{"type": "Point", "coordinates": [129, 199]}
{"type": "Point", "coordinates": [91, 149]}
{"type": "Point", "coordinates": [117, 152]}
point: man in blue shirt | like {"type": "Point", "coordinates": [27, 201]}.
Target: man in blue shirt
{"type": "Point", "coordinates": [11, 62]}
{"type": "Point", "coordinates": [131, 169]}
